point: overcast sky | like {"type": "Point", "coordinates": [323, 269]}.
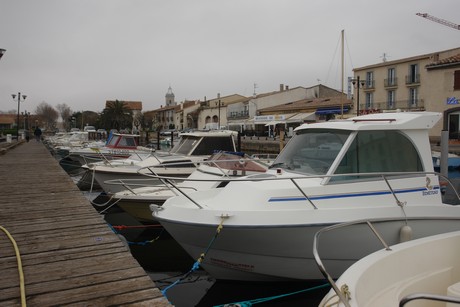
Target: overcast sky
{"type": "Point", "coordinates": [84, 52]}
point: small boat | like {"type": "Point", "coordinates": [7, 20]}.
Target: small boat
{"type": "Point", "coordinates": [425, 270]}
{"type": "Point", "coordinates": [194, 147]}
{"type": "Point", "coordinates": [376, 166]}
{"type": "Point", "coordinates": [213, 172]}
{"type": "Point", "coordinates": [118, 146]}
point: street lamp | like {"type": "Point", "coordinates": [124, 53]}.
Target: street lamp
{"type": "Point", "coordinates": [218, 97]}
{"type": "Point", "coordinates": [19, 101]}
{"type": "Point", "coordinates": [357, 83]}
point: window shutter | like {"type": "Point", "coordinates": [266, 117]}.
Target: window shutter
{"type": "Point", "coordinates": [457, 80]}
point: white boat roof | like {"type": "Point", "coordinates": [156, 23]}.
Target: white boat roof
{"type": "Point", "coordinates": [210, 133]}
{"type": "Point", "coordinates": [381, 121]}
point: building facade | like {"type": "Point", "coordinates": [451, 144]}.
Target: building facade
{"type": "Point", "coordinates": [428, 82]}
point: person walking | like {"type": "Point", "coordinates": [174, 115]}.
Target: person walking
{"type": "Point", "coordinates": [38, 134]}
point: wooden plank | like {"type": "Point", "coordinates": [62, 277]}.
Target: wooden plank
{"type": "Point", "coordinates": [70, 255]}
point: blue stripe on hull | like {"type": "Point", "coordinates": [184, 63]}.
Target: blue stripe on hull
{"type": "Point", "coordinates": [336, 196]}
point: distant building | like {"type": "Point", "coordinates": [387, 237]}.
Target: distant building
{"type": "Point", "coordinates": [8, 121]}
{"type": "Point", "coordinates": [164, 117]}
{"type": "Point", "coordinates": [429, 82]}
{"type": "Point", "coordinates": [262, 113]}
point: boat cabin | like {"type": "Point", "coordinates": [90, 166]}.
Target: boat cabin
{"type": "Point", "coordinates": [205, 143]}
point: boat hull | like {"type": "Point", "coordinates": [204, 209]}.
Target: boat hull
{"type": "Point", "coordinates": [114, 182]}
{"type": "Point", "coordinates": [271, 253]}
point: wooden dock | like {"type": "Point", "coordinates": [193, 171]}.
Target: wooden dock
{"type": "Point", "coordinates": [70, 257]}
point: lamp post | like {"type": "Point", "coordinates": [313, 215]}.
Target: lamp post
{"type": "Point", "coordinates": [218, 97]}
{"type": "Point", "coordinates": [19, 102]}
{"type": "Point", "coordinates": [357, 83]}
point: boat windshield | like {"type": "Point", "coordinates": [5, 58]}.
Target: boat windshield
{"type": "Point", "coordinates": [312, 151]}
{"type": "Point", "coordinates": [196, 146]}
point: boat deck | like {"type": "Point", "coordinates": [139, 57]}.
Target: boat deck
{"type": "Point", "coordinates": [69, 254]}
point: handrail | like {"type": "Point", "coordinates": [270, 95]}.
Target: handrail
{"type": "Point", "coordinates": [319, 262]}
{"type": "Point", "coordinates": [428, 296]}
{"type": "Point", "coordinates": [293, 179]}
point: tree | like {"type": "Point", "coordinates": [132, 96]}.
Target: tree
{"type": "Point", "coordinates": [81, 119]}
{"type": "Point", "coordinates": [65, 112]}
{"type": "Point", "coordinates": [116, 116]}
{"type": "Point", "coordinates": [46, 115]}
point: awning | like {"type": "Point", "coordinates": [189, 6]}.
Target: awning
{"type": "Point", "coordinates": [275, 122]}
{"type": "Point", "coordinates": [302, 117]}
{"type": "Point", "coordinates": [331, 111]}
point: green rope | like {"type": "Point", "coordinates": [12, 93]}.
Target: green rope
{"type": "Point", "coordinates": [266, 299]}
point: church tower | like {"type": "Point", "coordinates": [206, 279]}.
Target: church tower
{"type": "Point", "coordinates": [169, 97]}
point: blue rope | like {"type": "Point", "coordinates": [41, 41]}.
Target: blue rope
{"type": "Point", "coordinates": [266, 299]}
{"type": "Point", "coordinates": [197, 263]}
{"type": "Point", "coordinates": [143, 243]}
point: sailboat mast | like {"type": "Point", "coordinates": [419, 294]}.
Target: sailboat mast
{"type": "Point", "coordinates": [341, 96]}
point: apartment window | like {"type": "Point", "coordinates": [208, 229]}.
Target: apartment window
{"type": "Point", "coordinates": [391, 99]}
{"type": "Point", "coordinates": [457, 80]}
{"type": "Point", "coordinates": [391, 81]}
{"type": "Point", "coordinates": [370, 79]}
{"type": "Point", "coordinates": [413, 74]}
{"type": "Point", "coordinates": [413, 97]}
{"type": "Point", "coordinates": [369, 100]}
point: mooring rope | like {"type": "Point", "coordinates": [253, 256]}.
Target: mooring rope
{"type": "Point", "coordinates": [20, 271]}
{"type": "Point", "coordinates": [200, 259]}
{"type": "Point", "coordinates": [143, 243]}
{"type": "Point", "coordinates": [270, 298]}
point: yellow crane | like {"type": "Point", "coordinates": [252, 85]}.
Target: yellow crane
{"type": "Point", "coordinates": [439, 20]}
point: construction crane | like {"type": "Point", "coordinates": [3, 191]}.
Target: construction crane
{"type": "Point", "coordinates": [439, 20]}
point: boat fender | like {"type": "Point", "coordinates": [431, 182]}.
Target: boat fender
{"type": "Point", "coordinates": [405, 233]}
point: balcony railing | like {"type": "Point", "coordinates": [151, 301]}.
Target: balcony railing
{"type": "Point", "coordinates": [413, 79]}
{"type": "Point", "coordinates": [393, 82]}
{"type": "Point", "coordinates": [238, 114]}
{"type": "Point", "coordinates": [369, 85]}
{"type": "Point", "coordinates": [404, 105]}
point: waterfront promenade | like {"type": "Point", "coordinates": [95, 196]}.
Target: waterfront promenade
{"type": "Point", "coordinates": [69, 255]}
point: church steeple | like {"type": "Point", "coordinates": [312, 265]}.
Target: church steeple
{"type": "Point", "coordinates": [169, 97]}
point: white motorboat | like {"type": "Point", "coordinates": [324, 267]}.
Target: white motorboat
{"type": "Point", "coordinates": [118, 146]}
{"type": "Point", "coordinates": [194, 147]}
{"type": "Point", "coordinates": [425, 271]}
{"type": "Point", "coordinates": [375, 166]}
{"type": "Point", "coordinates": [212, 173]}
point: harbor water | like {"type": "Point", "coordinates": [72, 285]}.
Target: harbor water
{"type": "Point", "coordinates": [170, 268]}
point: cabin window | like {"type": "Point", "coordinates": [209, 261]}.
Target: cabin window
{"type": "Point", "coordinates": [127, 142]}
{"type": "Point", "coordinates": [113, 141]}
{"type": "Point", "coordinates": [208, 145]}
{"type": "Point", "coordinates": [379, 152]}
{"type": "Point", "coordinates": [312, 151]}
{"type": "Point", "coordinates": [185, 145]}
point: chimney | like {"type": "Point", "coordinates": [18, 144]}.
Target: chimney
{"type": "Point", "coordinates": [281, 87]}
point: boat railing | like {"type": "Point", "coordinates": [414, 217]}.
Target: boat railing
{"type": "Point", "coordinates": [296, 178]}
{"type": "Point", "coordinates": [430, 297]}
{"type": "Point", "coordinates": [341, 295]}
{"type": "Point", "coordinates": [221, 173]}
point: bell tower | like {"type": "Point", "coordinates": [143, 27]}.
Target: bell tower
{"type": "Point", "coordinates": [169, 97]}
